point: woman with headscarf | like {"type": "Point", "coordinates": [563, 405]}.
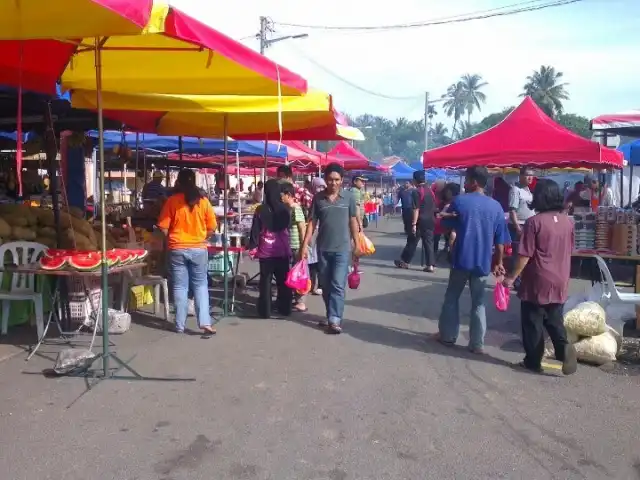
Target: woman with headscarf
{"type": "Point", "coordinates": [269, 240]}
{"type": "Point", "coordinates": [187, 219]}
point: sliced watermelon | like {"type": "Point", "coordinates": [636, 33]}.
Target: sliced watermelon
{"type": "Point", "coordinates": [124, 256]}
{"type": "Point", "coordinates": [85, 261]}
{"type": "Point", "coordinates": [140, 254]}
{"type": "Point", "coordinates": [56, 253]}
{"type": "Point", "coordinates": [52, 263]}
{"type": "Point", "coordinates": [112, 258]}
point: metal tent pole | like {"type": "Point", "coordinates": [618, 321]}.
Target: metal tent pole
{"type": "Point", "coordinates": [225, 232]}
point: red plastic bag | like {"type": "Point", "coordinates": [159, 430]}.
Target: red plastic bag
{"type": "Point", "coordinates": [501, 296]}
{"type": "Point", "coordinates": [298, 277]}
{"type": "Point", "coordinates": [354, 277]}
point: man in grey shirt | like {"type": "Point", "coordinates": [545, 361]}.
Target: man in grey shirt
{"type": "Point", "coordinates": [520, 196]}
{"type": "Point", "coordinates": [334, 213]}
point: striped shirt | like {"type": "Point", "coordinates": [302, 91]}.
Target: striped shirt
{"type": "Point", "coordinates": [297, 216]}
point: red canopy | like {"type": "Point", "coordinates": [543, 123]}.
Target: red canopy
{"type": "Point", "coordinates": [350, 158]}
{"type": "Point", "coordinates": [527, 136]}
{"type": "Point", "coordinates": [622, 123]}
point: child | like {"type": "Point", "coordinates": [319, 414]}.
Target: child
{"type": "Point", "coordinates": [296, 234]}
{"type": "Point", "coordinates": [448, 193]}
{"type": "Point", "coordinates": [270, 240]}
{"type": "Point", "coordinates": [317, 185]}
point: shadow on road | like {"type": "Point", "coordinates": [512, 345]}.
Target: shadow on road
{"type": "Point", "coordinates": [397, 338]}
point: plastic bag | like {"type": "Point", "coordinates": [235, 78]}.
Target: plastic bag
{"type": "Point", "coordinates": [588, 319]}
{"type": "Point", "coordinates": [354, 277]}
{"type": "Point", "coordinates": [298, 277]}
{"type": "Point", "coordinates": [501, 296]}
{"type": "Point", "coordinates": [598, 350]}
{"type": "Point", "coordinates": [366, 246]}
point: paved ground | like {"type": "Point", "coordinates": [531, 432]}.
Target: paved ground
{"type": "Point", "coordinates": [281, 400]}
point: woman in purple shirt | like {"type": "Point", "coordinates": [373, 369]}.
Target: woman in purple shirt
{"type": "Point", "coordinates": [544, 264]}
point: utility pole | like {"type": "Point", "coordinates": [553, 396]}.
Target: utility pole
{"type": "Point", "coordinates": [426, 120]}
{"type": "Point", "coordinates": [263, 34]}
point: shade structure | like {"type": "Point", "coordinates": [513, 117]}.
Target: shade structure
{"type": "Point", "coordinates": [190, 145]}
{"type": "Point", "coordinates": [308, 116]}
{"type": "Point", "coordinates": [352, 159]}
{"type": "Point", "coordinates": [160, 49]}
{"type": "Point", "coordinates": [402, 171]}
{"type": "Point", "coordinates": [631, 152]}
{"type": "Point", "coordinates": [527, 136]}
{"type": "Point", "coordinates": [622, 123]}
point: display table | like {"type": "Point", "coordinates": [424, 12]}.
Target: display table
{"type": "Point", "coordinates": [53, 299]}
{"type": "Point", "coordinates": [216, 250]}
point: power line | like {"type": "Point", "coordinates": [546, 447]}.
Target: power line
{"type": "Point", "coordinates": [513, 9]}
{"type": "Point", "coordinates": [348, 82]}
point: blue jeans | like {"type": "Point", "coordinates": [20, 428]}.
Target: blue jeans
{"type": "Point", "coordinates": [333, 271]}
{"type": "Point", "coordinates": [189, 273]}
{"type": "Point", "coordinates": [449, 322]}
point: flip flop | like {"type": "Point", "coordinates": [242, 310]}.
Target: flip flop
{"type": "Point", "coordinates": [208, 333]}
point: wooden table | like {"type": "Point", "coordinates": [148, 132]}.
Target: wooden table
{"type": "Point", "coordinates": [615, 257]}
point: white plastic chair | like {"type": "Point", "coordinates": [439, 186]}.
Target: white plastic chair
{"type": "Point", "coordinates": [610, 294]}
{"type": "Point", "coordinates": [23, 285]}
{"type": "Point", "coordinates": [155, 281]}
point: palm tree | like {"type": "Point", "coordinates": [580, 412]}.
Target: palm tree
{"type": "Point", "coordinates": [454, 104]}
{"type": "Point", "coordinates": [473, 97]}
{"type": "Point", "coordinates": [546, 88]}
{"type": "Point", "coordinates": [439, 129]}
{"type": "Point", "coordinates": [467, 129]}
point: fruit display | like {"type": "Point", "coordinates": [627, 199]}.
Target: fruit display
{"type": "Point", "coordinates": [89, 260]}
{"type": "Point", "coordinates": [34, 224]}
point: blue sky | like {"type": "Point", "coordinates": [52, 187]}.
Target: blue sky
{"type": "Point", "coordinates": [594, 42]}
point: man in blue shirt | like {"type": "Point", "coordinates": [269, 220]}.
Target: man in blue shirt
{"type": "Point", "coordinates": [479, 223]}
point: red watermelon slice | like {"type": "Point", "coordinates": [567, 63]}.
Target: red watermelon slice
{"type": "Point", "coordinates": [58, 253]}
{"type": "Point", "coordinates": [140, 254]}
{"type": "Point", "coordinates": [86, 261]}
{"type": "Point", "coordinates": [52, 263]}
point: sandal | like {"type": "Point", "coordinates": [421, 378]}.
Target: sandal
{"type": "Point", "coordinates": [523, 366]}
{"type": "Point", "coordinates": [208, 332]}
{"type": "Point", "coordinates": [401, 264]}
{"type": "Point", "coordinates": [430, 269]}
{"type": "Point", "coordinates": [335, 329]}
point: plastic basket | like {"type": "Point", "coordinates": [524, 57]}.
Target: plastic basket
{"type": "Point", "coordinates": [215, 266]}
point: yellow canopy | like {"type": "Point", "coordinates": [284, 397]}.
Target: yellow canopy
{"type": "Point", "coordinates": [145, 47]}
{"type": "Point", "coordinates": [306, 117]}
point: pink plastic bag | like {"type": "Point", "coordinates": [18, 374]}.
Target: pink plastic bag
{"type": "Point", "coordinates": [354, 277]}
{"type": "Point", "coordinates": [298, 277]}
{"type": "Point", "coordinates": [501, 296]}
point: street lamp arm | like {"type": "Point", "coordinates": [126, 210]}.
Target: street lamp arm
{"type": "Point", "coordinates": [271, 41]}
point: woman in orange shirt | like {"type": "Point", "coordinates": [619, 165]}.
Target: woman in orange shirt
{"type": "Point", "coordinates": [188, 219]}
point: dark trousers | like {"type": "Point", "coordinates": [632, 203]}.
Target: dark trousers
{"type": "Point", "coordinates": [313, 273]}
{"type": "Point", "coordinates": [534, 318]}
{"type": "Point", "coordinates": [278, 268]}
{"type": "Point", "coordinates": [424, 232]}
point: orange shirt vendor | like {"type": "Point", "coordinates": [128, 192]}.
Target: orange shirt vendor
{"type": "Point", "coordinates": [187, 219]}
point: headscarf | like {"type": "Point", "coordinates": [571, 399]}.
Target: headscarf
{"type": "Point", "coordinates": [275, 216]}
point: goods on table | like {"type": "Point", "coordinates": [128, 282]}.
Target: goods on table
{"type": "Point", "coordinates": [585, 231]}
{"type": "Point", "coordinates": [83, 260]}
{"type": "Point", "coordinates": [586, 320]}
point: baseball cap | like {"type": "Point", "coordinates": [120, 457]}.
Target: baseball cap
{"type": "Point", "coordinates": [358, 177]}
{"type": "Point", "coordinates": [526, 171]}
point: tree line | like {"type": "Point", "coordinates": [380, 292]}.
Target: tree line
{"type": "Point", "coordinates": [405, 138]}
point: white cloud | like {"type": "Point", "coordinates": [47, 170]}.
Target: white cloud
{"type": "Point", "coordinates": [593, 43]}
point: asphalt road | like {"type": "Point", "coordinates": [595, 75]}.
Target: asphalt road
{"type": "Point", "coordinates": [279, 399]}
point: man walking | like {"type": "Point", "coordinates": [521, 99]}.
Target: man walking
{"type": "Point", "coordinates": [479, 223]}
{"type": "Point", "coordinates": [333, 212]}
{"type": "Point", "coordinates": [421, 224]}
